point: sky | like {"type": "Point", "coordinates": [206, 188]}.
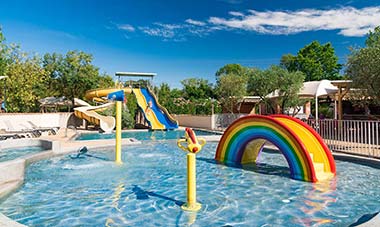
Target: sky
{"type": "Point", "coordinates": [186, 38]}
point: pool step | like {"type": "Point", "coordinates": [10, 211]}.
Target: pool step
{"type": "Point", "coordinates": [321, 176]}
{"type": "Point", "coordinates": [319, 169]}
{"type": "Point", "coordinates": [320, 172]}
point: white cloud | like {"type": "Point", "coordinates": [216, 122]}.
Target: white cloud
{"type": "Point", "coordinates": [177, 32]}
{"type": "Point", "coordinates": [169, 26]}
{"type": "Point", "coordinates": [236, 14]}
{"type": "Point", "coordinates": [160, 32]}
{"type": "Point", "coordinates": [126, 27]}
{"type": "Point", "coordinates": [195, 22]}
{"type": "Point", "coordinates": [168, 32]}
{"type": "Point", "coordinates": [348, 21]}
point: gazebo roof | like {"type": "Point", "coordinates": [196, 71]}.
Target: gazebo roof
{"type": "Point", "coordinates": [317, 89]}
{"type": "Point", "coordinates": [135, 74]}
{"type": "Point", "coordinates": [341, 83]}
{"type": "Point", "coordinates": [53, 101]}
{"type": "Point", "coordinates": [312, 89]}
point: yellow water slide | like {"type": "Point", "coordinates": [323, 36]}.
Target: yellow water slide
{"type": "Point", "coordinates": [318, 151]}
{"type": "Point", "coordinates": [100, 93]}
{"type": "Point", "coordinates": [89, 113]}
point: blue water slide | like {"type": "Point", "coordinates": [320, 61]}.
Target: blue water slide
{"type": "Point", "coordinates": [162, 114]}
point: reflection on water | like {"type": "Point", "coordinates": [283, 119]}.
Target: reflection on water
{"type": "Point", "coordinates": [115, 198]}
{"type": "Point", "coordinates": [321, 196]}
{"type": "Point", "coordinates": [117, 195]}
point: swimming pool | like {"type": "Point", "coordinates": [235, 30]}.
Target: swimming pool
{"type": "Point", "coordinates": [13, 153]}
{"type": "Point", "coordinates": [151, 185]}
{"type": "Point", "coordinates": [143, 135]}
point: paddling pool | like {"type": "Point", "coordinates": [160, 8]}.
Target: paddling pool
{"type": "Point", "coordinates": [150, 187]}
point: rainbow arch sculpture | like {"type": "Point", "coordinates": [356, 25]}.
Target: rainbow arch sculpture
{"type": "Point", "coordinates": [308, 156]}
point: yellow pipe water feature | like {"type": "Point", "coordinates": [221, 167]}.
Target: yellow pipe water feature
{"type": "Point", "coordinates": [118, 133]}
{"type": "Point", "coordinates": [193, 147]}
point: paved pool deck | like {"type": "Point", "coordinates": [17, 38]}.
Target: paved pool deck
{"type": "Point", "coordinates": [63, 143]}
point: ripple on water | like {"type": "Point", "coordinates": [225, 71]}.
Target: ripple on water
{"type": "Point", "coordinates": [150, 187]}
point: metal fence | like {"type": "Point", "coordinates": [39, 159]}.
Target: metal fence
{"type": "Point", "coordinates": [358, 137]}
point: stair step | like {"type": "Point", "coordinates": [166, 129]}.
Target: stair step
{"type": "Point", "coordinates": [321, 176]}
{"type": "Point", "coordinates": [319, 167]}
{"type": "Point", "coordinates": [320, 172]}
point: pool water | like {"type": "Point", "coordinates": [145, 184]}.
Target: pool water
{"type": "Point", "coordinates": [13, 153]}
{"type": "Point", "coordinates": [150, 187]}
{"type": "Point", "coordinates": [143, 135]}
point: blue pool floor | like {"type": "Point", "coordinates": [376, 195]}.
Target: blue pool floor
{"type": "Point", "coordinates": [151, 185]}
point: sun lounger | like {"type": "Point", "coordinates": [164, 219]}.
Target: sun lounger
{"type": "Point", "coordinates": [11, 132]}
{"type": "Point", "coordinates": [50, 130]}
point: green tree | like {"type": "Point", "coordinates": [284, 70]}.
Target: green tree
{"type": "Point", "coordinates": [195, 88]}
{"type": "Point", "coordinates": [129, 112]}
{"type": "Point", "coordinates": [3, 54]}
{"type": "Point", "coordinates": [231, 88]}
{"type": "Point", "coordinates": [289, 62]}
{"type": "Point", "coordinates": [199, 94]}
{"type": "Point", "coordinates": [373, 38]}
{"type": "Point", "coordinates": [3, 61]}
{"type": "Point", "coordinates": [105, 81]}
{"type": "Point", "coordinates": [163, 92]}
{"type": "Point", "coordinates": [166, 97]}
{"type": "Point", "coordinates": [53, 65]}
{"type": "Point", "coordinates": [363, 67]}
{"type": "Point", "coordinates": [138, 83]}
{"type": "Point", "coordinates": [317, 61]}
{"type": "Point", "coordinates": [278, 82]}
{"type": "Point", "coordinates": [231, 85]}
{"type": "Point", "coordinates": [235, 69]}
{"type": "Point", "coordinates": [72, 74]}
{"type": "Point", "coordinates": [26, 84]}
{"type": "Point", "coordinates": [195, 98]}
{"type": "Point", "coordinates": [289, 84]}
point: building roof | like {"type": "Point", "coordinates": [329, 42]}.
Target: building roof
{"type": "Point", "coordinates": [251, 99]}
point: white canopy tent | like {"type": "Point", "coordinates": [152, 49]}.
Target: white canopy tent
{"type": "Point", "coordinates": [313, 89]}
{"type": "Point", "coordinates": [317, 89]}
